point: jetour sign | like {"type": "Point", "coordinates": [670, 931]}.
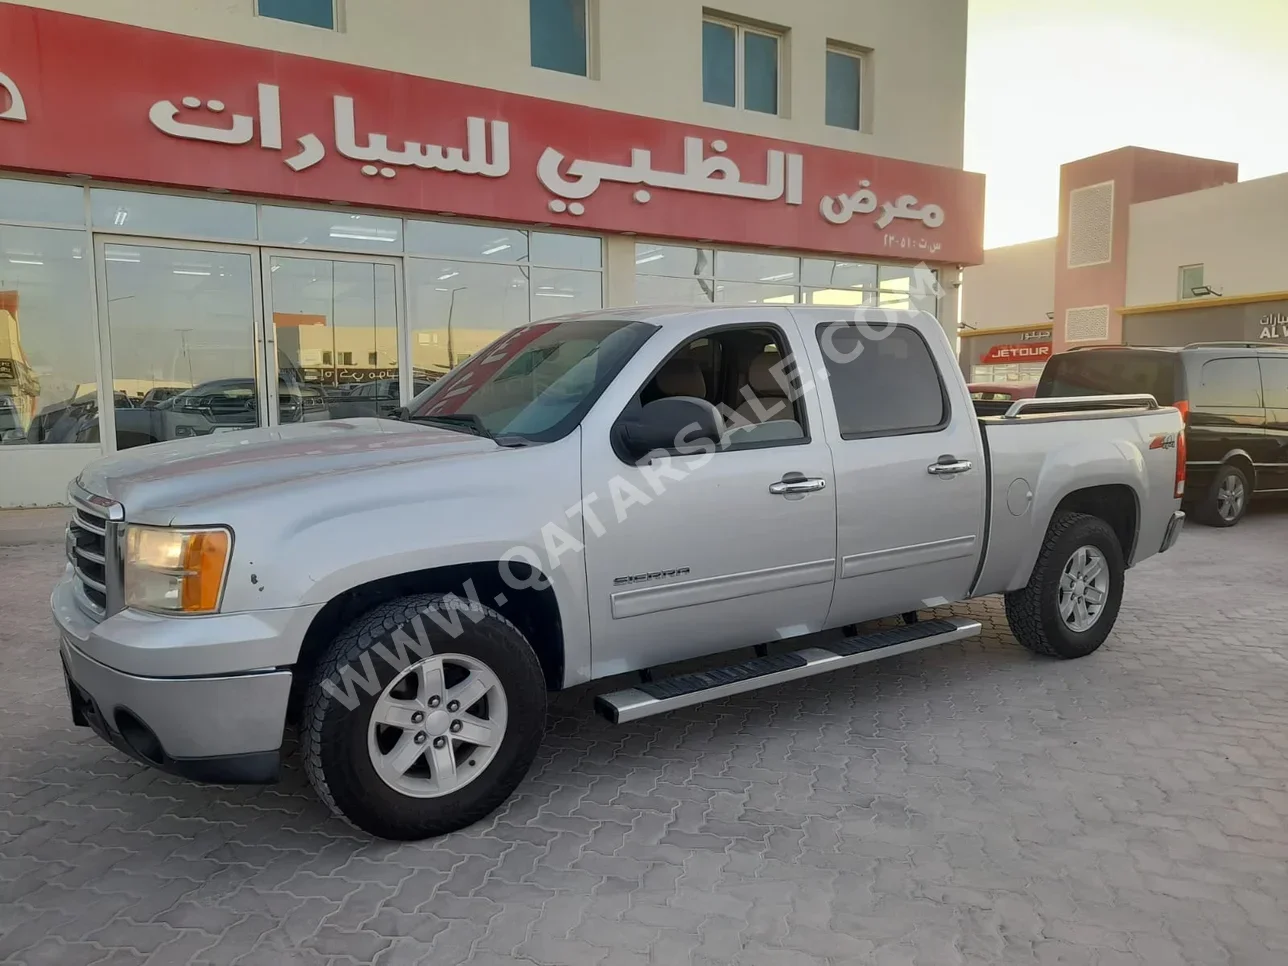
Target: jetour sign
{"type": "Point", "coordinates": [118, 102]}
{"type": "Point", "coordinates": [1018, 352]}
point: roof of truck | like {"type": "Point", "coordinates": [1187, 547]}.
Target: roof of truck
{"type": "Point", "coordinates": [659, 314]}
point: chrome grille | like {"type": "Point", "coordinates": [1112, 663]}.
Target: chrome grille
{"type": "Point", "coordinates": [90, 537]}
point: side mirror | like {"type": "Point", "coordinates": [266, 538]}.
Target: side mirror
{"type": "Point", "coordinates": [13, 436]}
{"type": "Point", "coordinates": [674, 424]}
{"type": "Point", "coordinates": [403, 413]}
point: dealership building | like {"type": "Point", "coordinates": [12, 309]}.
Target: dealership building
{"type": "Point", "coordinates": [1154, 249]}
{"type": "Point", "coordinates": [268, 211]}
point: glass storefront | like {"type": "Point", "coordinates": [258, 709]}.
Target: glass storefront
{"type": "Point", "coordinates": [667, 273]}
{"type": "Point", "coordinates": [209, 315]}
{"type": "Point", "coordinates": [48, 370]}
{"type": "Point", "coordinates": [133, 317]}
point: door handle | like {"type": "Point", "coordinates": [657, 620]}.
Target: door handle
{"type": "Point", "coordinates": [949, 466]}
{"type": "Point", "coordinates": [804, 485]}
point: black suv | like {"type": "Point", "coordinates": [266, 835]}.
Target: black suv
{"type": "Point", "coordinates": [1234, 396]}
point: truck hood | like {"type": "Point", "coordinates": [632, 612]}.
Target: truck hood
{"type": "Point", "coordinates": [187, 472]}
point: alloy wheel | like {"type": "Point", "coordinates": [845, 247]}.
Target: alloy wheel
{"type": "Point", "coordinates": [437, 725]}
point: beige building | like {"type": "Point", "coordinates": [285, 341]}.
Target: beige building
{"type": "Point", "coordinates": [268, 210]}
{"type": "Point", "coordinates": [1154, 249]}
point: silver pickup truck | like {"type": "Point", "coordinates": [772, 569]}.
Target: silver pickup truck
{"type": "Point", "coordinates": [593, 496]}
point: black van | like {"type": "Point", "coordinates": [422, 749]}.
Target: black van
{"type": "Point", "coordinates": [1234, 396]}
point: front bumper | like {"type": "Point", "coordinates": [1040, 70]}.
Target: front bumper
{"type": "Point", "coordinates": [226, 730]}
{"type": "Point", "coordinates": [213, 723]}
{"type": "Point", "coordinates": [1173, 532]}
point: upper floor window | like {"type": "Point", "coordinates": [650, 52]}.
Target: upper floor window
{"type": "Point", "coordinates": [741, 65]}
{"type": "Point", "coordinates": [1191, 278]}
{"type": "Point", "coordinates": [313, 13]}
{"type": "Point", "coordinates": [559, 35]}
{"type": "Point", "coordinates": [844, 88]}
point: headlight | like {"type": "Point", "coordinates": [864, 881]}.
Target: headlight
{"type": "Point", "coordinates": [177, 571]}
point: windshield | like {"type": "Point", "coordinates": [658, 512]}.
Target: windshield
{"type": "Point", "coordinates": [537, 381]}
{"type": "Point", "coordinates": [1107, 372]}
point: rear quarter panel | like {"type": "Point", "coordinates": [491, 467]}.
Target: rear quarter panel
{"type": "Point", "coordinates": [1037, 461]}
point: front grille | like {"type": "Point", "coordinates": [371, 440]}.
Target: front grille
{"type": "Point", "coordinates": [89, 537]}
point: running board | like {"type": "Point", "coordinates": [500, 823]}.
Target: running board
{"type": "Point", "coordinates": [679, 692]}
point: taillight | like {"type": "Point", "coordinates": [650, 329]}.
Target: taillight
{"type": "Point", "coordinates": [1184, 407]}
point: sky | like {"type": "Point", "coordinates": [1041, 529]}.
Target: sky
{"type": "Point", "coordinates": [1051, 81]}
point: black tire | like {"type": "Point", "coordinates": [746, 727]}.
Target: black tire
{"type": "Point", "coordinates": [1214, 511]}
{"type": "Point", "coordinates": [1034, 612]}
{"type": "Point", "coordinates": [333, 738]}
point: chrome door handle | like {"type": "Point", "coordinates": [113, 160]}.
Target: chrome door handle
{"type": "Point", "coordinates": [808, 485]}
{"type": "Point", "coordinates": [949, 467]}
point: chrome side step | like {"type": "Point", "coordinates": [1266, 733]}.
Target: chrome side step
{"type": "Point", "coordinates": [657, 697]}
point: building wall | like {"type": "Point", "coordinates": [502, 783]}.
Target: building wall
{"type": "Point", "coordinates": [1138, 176]}
{"type": "Point", "coordinates": [1238, 232]}
{"type": "Point", "coordinates": [649, 57]}
{"type": "Point", "coordinates": [1015, 286]}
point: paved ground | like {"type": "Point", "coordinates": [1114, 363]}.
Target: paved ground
{"type": "Point", "coordinates": [972, 804]}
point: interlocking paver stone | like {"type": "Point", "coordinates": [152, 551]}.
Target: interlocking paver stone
{"type": "Point", "coordinates": [970, 805]}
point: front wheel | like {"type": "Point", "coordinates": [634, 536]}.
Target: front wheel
{"type": "Point", "coordinates": [1072, 598]}
{"type": "Point", "coordinates": [423, 717]}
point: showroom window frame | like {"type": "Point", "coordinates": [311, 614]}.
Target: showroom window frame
{"type": "Point", "coordinates": [98, 319]}
{"type": "Point", "coordinates": [95, 328]}
{"type": "Point", "coordinates": [715, 279]}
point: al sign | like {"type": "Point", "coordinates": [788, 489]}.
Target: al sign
{"type": "Point", "coordinates": [1274, 326]}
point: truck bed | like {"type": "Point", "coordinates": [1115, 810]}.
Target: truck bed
{"type": "Point", "coordinates": [1049, 448]}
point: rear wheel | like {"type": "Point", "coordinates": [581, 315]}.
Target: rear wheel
{"type": "Point", "coordinates": [407, 744]}
{"type": "Point", "coordinates": [1227, 499]}
{"type": "Point", "coordinates": [1073, 595]}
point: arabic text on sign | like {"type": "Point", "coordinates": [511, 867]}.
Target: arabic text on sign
{"type": "Point", "coordinates": [714, 175]}
{"type": "Point", "coordinates": [486, 153]}
{"type": "Point", "coordinates": [17, 109]}
{"type": "Point", "coordinates": [842, 208]}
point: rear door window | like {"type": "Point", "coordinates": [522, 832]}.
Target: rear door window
{"type": "Point", "coordinates": [885, 387]}
{"type": "Point", "coordinates": [1229, 384]}
{"type": "Point", "coordinates": [1107, 372]}
{"type": "Point", "coordinates": [1274, 378]}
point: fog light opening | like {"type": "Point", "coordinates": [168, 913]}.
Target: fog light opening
{"type": "Point", "coordinates": [141, 739]}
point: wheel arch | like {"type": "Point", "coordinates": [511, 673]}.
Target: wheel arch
{"type": "Point", "coordinates": [1115, 503]}
{"type": "Point", "coordinates": [533, 610]}
{"type": "Point", "coordinates": [1242, 459]}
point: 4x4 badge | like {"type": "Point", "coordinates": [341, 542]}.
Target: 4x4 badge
{"type": "Point", "coordinates": [1163, 441]}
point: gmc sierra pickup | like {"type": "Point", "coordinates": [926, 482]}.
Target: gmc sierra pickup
{"type": "Point", "coordinates": [590, 496]}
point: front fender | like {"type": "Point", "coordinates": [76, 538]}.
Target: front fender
{"type": "Point", "coordinates": [344, 533]}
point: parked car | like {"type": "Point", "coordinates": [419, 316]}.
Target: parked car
{"type": "Point", "coordinates": [155, 396]}
{"type": "Point", "coordinates": [993, 399]}
{"type": "Point", "coordinates": [1233, 395]}
{"type": "Point", "coordinates": [604, 493]}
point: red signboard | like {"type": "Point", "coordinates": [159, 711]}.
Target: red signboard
{"type": "Point", "coordinates": [1019, 352]}
{"type": "Point", "coordinates": [89, 97]}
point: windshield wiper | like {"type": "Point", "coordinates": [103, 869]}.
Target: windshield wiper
{"type": "Point", "coordinates": [468, 422]}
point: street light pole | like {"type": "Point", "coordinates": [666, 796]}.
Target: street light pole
{"type": "Point", "coordinates": [451, 309]}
